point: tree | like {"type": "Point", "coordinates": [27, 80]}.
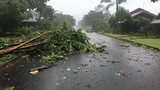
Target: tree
{"type": "Point", "coordinates": [46, 18]}
{"type": "Point", "coordinates": [158, 16]}
{"type": "Point", "coordinates": [61, 18]}
{"type": "Point", "coordinates": [97, 19]}
{"type": "Point", "coordinates": [37, 5]}
{"type": "Point", "coordinates": [111, 3]}
{"type": "Point", "coordinates": [100, 8]}
{"type": "Point", "coordinates": [46, 12]}
{"type": "Point", "coordinates": [154, 1]}
{"type": "Point", "coordinates": [124, 21]}
{"type": "Point", "coordinates": [141, 23]}
{"type": "Point", "coordinates": [12, 12]}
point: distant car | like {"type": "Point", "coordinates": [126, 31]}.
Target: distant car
{"type": "Point", "coordinates": [89, 29]}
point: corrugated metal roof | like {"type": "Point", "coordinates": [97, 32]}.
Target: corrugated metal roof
{"type": "Point", "coordinates": [156, 21]}
{"type": "Point", "coordinates": [137, 13]}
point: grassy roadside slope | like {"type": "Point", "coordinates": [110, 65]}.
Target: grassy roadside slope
{"type": "Point", "coordinates": [150, 42]}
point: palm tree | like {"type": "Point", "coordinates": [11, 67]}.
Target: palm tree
{"type": "Point", "coordinates": [154, 1]}
{"type": "Point", "coordinates": [111, 3]}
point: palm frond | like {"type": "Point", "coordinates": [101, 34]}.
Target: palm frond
{"type": "Point", "coordinates": [105, 1]}
{"type": "Point", "coordinates": [100, 6]}
{"type": "Point", "coordinates": [109, 5]}
{"type": "Point", "coordinates": [121, 1]}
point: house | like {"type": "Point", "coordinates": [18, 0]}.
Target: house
{"type": "Point", "coordinates": [139, 12]}
{"type": "Point", "coordinates": [31, 22]}
{"type": "Point", "coordinates": [156, 22]}
{"type": "Point", "coordinates": [156, 25]}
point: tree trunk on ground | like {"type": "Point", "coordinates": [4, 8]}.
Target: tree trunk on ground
{"type": "Point", "coordinates": [22, 45]}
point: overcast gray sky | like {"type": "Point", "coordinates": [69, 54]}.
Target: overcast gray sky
{"type": "Point", "coordinates": [78, 8]}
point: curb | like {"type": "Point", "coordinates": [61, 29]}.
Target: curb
{"type": "Point", "coordinates": [158, 49]}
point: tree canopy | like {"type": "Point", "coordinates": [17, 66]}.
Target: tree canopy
{"type": "Point", "coordinates": [121, 21]}
{"type": "Point", "coordinates": [154, 1]}
{"type": "Point", "coordinates": [97, 19]}
{"type": "Point", "coordinates": [61, 18]}
{"type": "Point", "coordinates": [111, 3]}
{"type": "Point", "coordinates": [11, 14]}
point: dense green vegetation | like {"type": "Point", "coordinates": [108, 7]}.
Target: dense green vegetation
{"type": "Point", "coordinates": [65, 41]}
{"type": "Point", "coordinates": [120, 22]}
{"type": "Point", "coordinates": [128, 25]}
{"type": "Point", "coordinates": [14, 11]}
{"type": "Point", "coordinates": [56, 44]}
{"type": "Point", "coordinates": [61, 18]}
{"type": "Point", "coordinates": [97, 19]}
{"type": "Point", "coordinates": [112, 3]}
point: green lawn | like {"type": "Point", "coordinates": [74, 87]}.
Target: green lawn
{"type": "Point", "coordinates": [152, 42]}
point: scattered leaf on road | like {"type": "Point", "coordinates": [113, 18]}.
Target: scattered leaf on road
{"type": "Point", "coordinates": [10, 88]}
{"type": "Point", "coordinates": [76, 83]}
{"type": "Point", "coordinates": [147, 64]}
{"type": "Point", "coordinates": [83, 64]}
{"type": "Point", "coordinates": [34, 72]}
{"type": "Point", "coordinates": [86, 70]}
{"type": "Point", "coordinates": [103, 65]}
{"type": "Point", "coordinates": [68, 69]}
{"type": "Point", "coordinates": [139, 70]}
{"type": "Point", "coordinates": [64, 77]}
{"type": "Point", "coordinates": [57, 84]}
{"type": "Point", "coordinates": [78, 68]}
{"type": "Point", "coordinates": [113, 61]}
{"type": "Point", "coordinates": [75, 71]}
{"type": "Point", "coordinates": [120, 73]}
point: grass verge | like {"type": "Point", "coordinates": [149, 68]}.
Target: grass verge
{"type": "Point", "coordinates": [147, 41]}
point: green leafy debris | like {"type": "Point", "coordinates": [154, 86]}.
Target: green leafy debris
{"type": "Point", "coordinates": [57, 44]}
{"type": "Point", "coordinates": [63, 42]}
{"type": "Point", "coordinates": [6, 57]}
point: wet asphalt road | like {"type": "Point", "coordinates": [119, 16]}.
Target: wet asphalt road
{"type": "Point", "coordinates": [124, 68]}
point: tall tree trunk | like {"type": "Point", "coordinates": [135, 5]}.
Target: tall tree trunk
{"type": "Point", "coordinates": [116, 13]}
{"type": "Point", "coordinates": [116, 6]}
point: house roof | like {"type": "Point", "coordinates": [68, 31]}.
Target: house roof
{"type": "Point", "coordinates": [140, 11]}
{"type": "Point", "coordinates": [156, 21]}
{"type": "Point", "coordinates": [136, 10]}
{"type": "Point", "coordinates": [30, 20]}
{"type": "Point", "coordinates": [34, 17]}
{"type": "Point", "coordinates": [136, 13]}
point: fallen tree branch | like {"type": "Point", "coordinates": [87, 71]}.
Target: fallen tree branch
{"type": "Point", "coordinates": [32, 45]}
{"type": "Point", "coordinates": [42, 68]}
{"type": "Point", "coordinates": [7, 50]}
